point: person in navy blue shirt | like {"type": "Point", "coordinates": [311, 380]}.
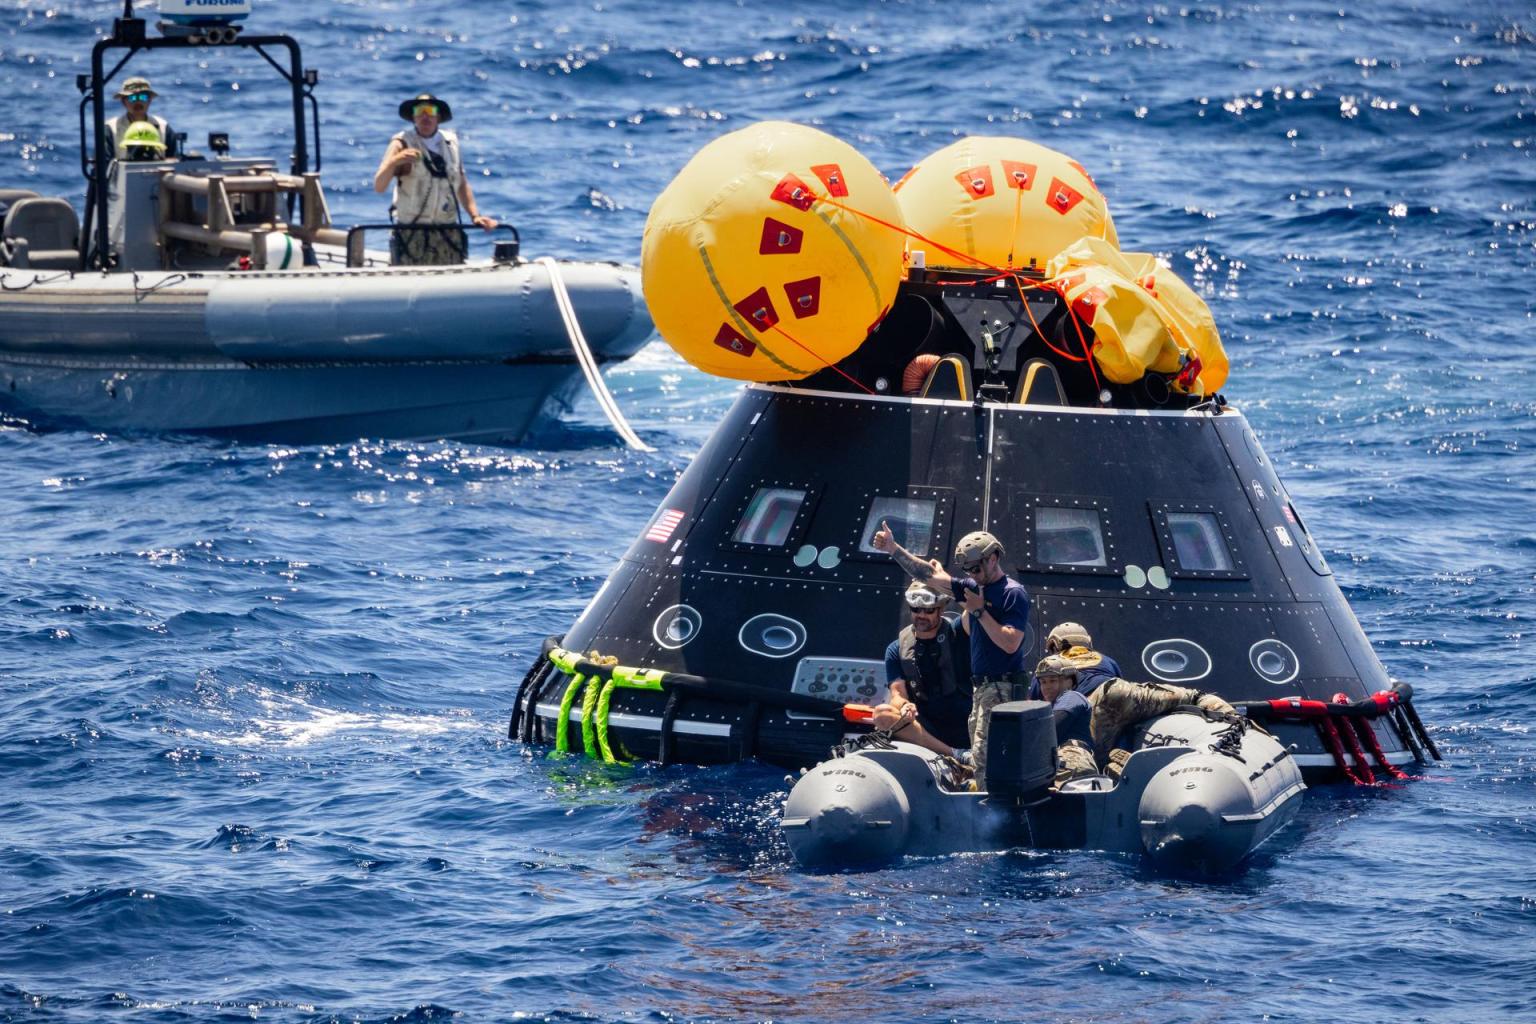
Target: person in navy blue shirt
{"type": "Point", "coordinates": [1074, 643]}
{"type": "Point", "coordinates": [996, 618]}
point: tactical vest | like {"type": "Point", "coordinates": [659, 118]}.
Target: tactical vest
{"type": "Point", "coordinates": [906, 651]}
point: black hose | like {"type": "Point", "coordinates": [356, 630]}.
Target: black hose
{"type": "Point", "coordinates": [1418, 727]}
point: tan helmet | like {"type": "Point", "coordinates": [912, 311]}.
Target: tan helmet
{"type": "Point", "coordinates": [920, 595]}
{"type": "Point", "coordinates": [1068, 634]}
{"type": "Point", "coordinates": [1055, 665]}
{"type": "Point", "coordinates": [973, 547]}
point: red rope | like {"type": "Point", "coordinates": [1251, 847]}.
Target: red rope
{"type": "Point", "coordinates": [1330, 738]}
{"type": "Point", "coordinates": [902, 229]}
{"type": "Point", "coordinates": [1362, 766]}
{"type": "Point", "coordinates": [1019, 284]}
{"type": "Point", "coordinates": [1081, 340]}
{"type": "Point", "coordinates": [817, 355]}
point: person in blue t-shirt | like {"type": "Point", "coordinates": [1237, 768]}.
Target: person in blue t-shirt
{"type": "Point", "coordinates": [1074, 643]}
{"type": "Point", "coordinates": [996, 618]}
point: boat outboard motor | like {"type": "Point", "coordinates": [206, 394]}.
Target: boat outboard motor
{"type": "Point", "coordinates": [1021, 751]}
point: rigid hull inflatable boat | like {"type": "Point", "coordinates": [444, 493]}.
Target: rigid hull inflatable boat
{"type": "Point", "coordinates": [212, 294]}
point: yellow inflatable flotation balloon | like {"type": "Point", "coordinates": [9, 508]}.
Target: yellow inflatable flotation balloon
{"type": "Point", "coordinates": [1144, 317]}
{"type": "Point", "coordinates": [758, 262]}
{"type": "Point", "coordinates": [1001, 202]}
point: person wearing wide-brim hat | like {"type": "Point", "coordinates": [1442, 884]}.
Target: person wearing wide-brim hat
{"type": "Point", "coordinates": [427, 168]}
{"type": "Point", "coordinates": [136, 94]}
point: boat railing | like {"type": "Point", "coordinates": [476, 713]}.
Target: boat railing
{"type": "Point", "coordinates": [357, 255]}
{"type": "Point", "coordinates": [236, 217]}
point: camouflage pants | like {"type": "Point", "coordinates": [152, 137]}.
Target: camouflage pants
{"type": "Point", "coordinates": [1074, 760]}
{"type": "Point", "coordinates": [986, 697]}
{"type": "Point", "coordinates": [1120, 704]}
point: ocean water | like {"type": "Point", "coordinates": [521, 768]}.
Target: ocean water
{"type": "Point", "coordinates": [253, 700]}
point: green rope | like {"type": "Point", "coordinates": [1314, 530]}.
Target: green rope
{"type": "Point", "coordinates": [603, 701]}
{"type": "Point", "coordinates": [596, 701]}
{"type": "Point", "coordinates": [589, 717]}
{"type": "Point", "coordinates": [562, 727]}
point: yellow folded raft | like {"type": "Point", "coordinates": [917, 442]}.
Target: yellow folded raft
{"type": "Point", "coordinates": [1144, 317]}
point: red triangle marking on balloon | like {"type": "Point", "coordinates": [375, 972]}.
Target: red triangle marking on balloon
{"type": "Point", "coordinates": [804, 297]}
{"type": "Point", "coordinates": [758, 309]}
{"type": "Point", "coordinates": [977, 181]}
{"type": "Point", "coordinates": [730, 338]}
{"type": "Point", "coordinates": [831, 176]}
{"type": "Point", "coordinates": [795, 192]}
{"type": "Point", "coordinates": [1087, 304]}
{"type": "Point", "coordinates": [1018, 175]}
{"type": "Point", "coordinates": [779, 238]}
{"type": "Point", "coordinates": [1061, 197]}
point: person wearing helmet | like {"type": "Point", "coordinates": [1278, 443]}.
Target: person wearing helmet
{"type": "Point", "coordinates": [1056, 678]}
{"type": "Point", "coordinates": [1088, 729]}
{"type": "Point", "coordinates": [996, 618]}
{"type": "Point", "coordinates": [928, 670]}
{"type": "Point", "coordinates": [427, 168]}
{"type": "Point", "coordinates": [1076, 644]}
{"type": "Point", "coordinates": [141, 142]}
{"type": "Point", "coordinates": [136, 96]}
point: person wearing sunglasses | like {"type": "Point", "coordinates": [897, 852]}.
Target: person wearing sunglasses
{"type": "Point", "coordinates": [136, 96]}
{"type": "Point", "coordinates": [928, 670]}
{"type": "Point", "coordinates": [425, 164]}
{"type": "Point", "coordinates": [996, 618]}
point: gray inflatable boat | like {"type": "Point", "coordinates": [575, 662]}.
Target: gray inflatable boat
{"type": "Point", "coordinates": [1197, 795]}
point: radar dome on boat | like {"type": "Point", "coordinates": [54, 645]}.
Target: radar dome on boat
{"type": "Point", "coordinates": [759, 262]}
{"type": "Point", "coordinates": [1001, 202]}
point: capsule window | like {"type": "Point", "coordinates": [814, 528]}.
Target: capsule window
{"type": "Point", "coordinates": [912, 522]}
{"type": "Point", "coordinates": [770, 516]}
{"type": "Point", "coordinates": [1197, 542]}
{"type": "Point", "coordinates": [1069, 536]}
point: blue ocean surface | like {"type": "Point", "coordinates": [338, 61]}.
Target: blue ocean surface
{"type": "Point", "coordinates": [253, 700]}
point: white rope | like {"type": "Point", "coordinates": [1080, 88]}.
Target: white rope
{"type": "Point", "coordinates": [584, 357]}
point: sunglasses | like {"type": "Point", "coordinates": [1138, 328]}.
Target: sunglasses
{"type": "Point", "coordinates": [930, 610]}
{"type": "Point", "coordinates": [137, 97]}
{"type": "Point", "coordinates": [430, 109]}
{"type": "Point", "coordinates": [972, 568]}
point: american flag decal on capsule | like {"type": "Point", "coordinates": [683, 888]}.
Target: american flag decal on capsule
{"type": "Point", "coordinates": [666, 522]}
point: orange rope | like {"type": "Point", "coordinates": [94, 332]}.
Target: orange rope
{"type": "Point", "coordinates": [1082, 341]}
{"type": "Point", "coordinates": [1018, 202]}
{"type": "Point", "coordinates": [1019, 284]}
{"type": "Point", "coordinates": [1001, 272]}
{"type": "Point", "coordinates": [901, 229]}
{"type": "Point", "coordinates": [817, 355]}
